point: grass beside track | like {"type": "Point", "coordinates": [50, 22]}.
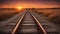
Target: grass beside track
{"type": "Point", "coordinates": [51, 14]}
{"type": "Point", "coordinates": [8, 13]}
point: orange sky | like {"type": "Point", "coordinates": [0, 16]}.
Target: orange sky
{"type": "Point", "coordinates": [29, 4]}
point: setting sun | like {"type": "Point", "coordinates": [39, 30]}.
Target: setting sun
{"type": "Point", "coordinates": [19, 7]}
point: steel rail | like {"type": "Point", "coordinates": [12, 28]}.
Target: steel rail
{"type": "Point", "coordinates": [15, 29]}
{"type": "Point", "coordinates": [44, 31]}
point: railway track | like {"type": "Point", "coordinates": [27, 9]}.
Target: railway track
{"type": "Point", "coordinates": [27, 24]}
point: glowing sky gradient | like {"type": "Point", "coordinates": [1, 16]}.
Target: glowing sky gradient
{"type": "Point", "coordinates": [30, 3]}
